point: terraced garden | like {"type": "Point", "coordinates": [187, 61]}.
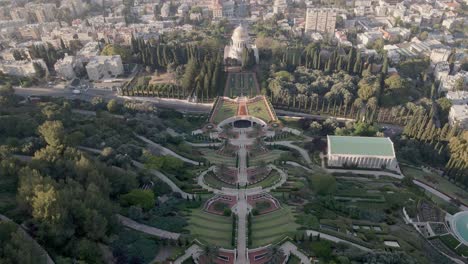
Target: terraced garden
{"type": "Point", "coordinates": [240, 84]}
{"type": "Point", "coordinates": [225, 111]}
{"type": "Point", "coordinates": [216, 158]}
{"type": "Point", "coordinates": [270, 180]}
{"type": "Point", "coordinates": [209, 228]}
{"type": "Point", "coordinates": [267, 157]}
{"type": "Point", "coordinates": [272, 227]}
{"type": "Point", "coordinates": [259, 109]}
{"type": "Point", "coordinates": [215, 182]}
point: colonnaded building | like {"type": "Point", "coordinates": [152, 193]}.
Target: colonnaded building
{"type": "Point", "coordinates": [361, 152]}
{"type": "Point", "coordinates": [240, 39]}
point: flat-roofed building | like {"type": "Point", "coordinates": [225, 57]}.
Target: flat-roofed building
{"type": "Point", "coordinates": [361, 152]}
{"type": "Point", "coordinates": [321, 20]}
{"type": "Point", "coordinates": [104, 67]}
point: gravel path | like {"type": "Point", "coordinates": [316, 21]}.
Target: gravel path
{"type": "Point", "coordinates": [147, 229]}
{"type": "Point", "coordinates": [336, 239]}
{"type": "Point", "coordinates": [166, 151]}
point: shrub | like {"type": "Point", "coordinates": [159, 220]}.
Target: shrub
{"type": "Point", "coordinates": [143, 198]}
{"type": "Point", "coordinates": [227, 212]}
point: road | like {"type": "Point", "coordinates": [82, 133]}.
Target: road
{"type": "Point", "coordinates": [106, 95]}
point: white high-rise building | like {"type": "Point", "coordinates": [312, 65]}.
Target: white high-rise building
{"type": "Point", "coordinates": [321, 20]}
{"type": "Point", "coordinates": [280, 6]}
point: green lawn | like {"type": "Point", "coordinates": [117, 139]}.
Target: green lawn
{"type": "Point", "coordinates": [209, 228]}
{"type": "Point", "coordinates": [259, 109]}
{"type": "Point", "coordinates": [437, 181]}
{"type": "Point", "coordinates": [272, 227]}
{"type": "Point", "coordinates": [225, 111]}
{"type": "Point", "coordinates": [270, 180]}
{"type": "Point", "coordinates": [267, 157]}
{"type": "Point", "coordinates": [215, 158]}
{"type": "Point", "coordinates": [216, 183]}
{"type": "Point", "coordinates": [241, 84]}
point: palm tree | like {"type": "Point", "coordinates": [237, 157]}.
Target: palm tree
{"type": "Point", "coordinates": [276, 255]}
{"type": "Point", "coordinates": [211, 253]}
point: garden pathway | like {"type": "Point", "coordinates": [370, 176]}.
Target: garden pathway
{"type": "Point", "coordinates": [147, 229]}
{"type": "Point", "coordinates": [166, 151]}
{"type": "Point", "coordinates": [242, 178]}
{"type": "Point", "coordinates": [193, 251]}
{"type": "Point", "coordinates": [295, 164]}
{"type": "Point", "coordinates": [289, 248]}
{"type": "Point", "coordinates": [375, 173]}
{"type": "Point", "coordinates": [204, 145]}
{"type": "Point", "coordinates": [242, 212]}
{"type": "Point", "coordinates": [48, 259]}
{"type": "Point", "coordinates": [290, 144]}
{"type": "Point", "coordinates": [336, 239]}
{"type": "Point", "coordinates": [165, 179]}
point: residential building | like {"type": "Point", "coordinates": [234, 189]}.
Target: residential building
{"type": "Point", "coordinates": [280, 6]}
{"type": "Point", "coordinates": [361, 152]}
{"type": "Point", "coordinates": [458, 115]}
{"type": "Point", "coordinates": [104, 67]}
{"type": "Point", "coordinates": [441, 70]}
{"type": "Point", "coordinates": [321, 20]}
{"type": "Point", "coordinates": [23, 68]}
{"type": "Point", "coordinates": [165, 9]}
{"type": "Point", "coordinates": [67, 66]}
{"type": "Point", "coordinates": [449, 82]}
{"type": "Point", "coordinates": [395, 34]}
{"type": "Point", "coordinates": [439, 55]}
{"type": "Point", "coordinates": [457, 97]}
{"type": "Point", "coordinates": [369, 37]}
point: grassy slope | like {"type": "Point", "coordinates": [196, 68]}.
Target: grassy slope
{"type": "Point", "coordinates": [272, 227]}
{"type": "Point", "coordinates": [213, 229]}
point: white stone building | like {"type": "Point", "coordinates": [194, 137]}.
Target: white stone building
{"type": "Point", "coordinates": [439, 55]}
{"type": "Point", "coordinates": [104, 67]}
{"type": "Point", "coordinates": [361, 152]}
{"type": "Point", "coordinates": [447, 83]}
{"type": "Point", "coordinates": [369, 37]}
{"type": "Point", "coordinates": [280, 6]}
{"type": "Point", "coordinates": [240, 39]}
{"type": "Point", "coordinates": [441, 70]}
{"type": "Point", "coordinates": [165, 10]}
{"type": "Point", "coordinates": [23, 68]}
{"type": "Point", "coordinates": [458, 115]}
{"type": "Point", "coordinates": [457, 97]}
{"type": "Point", "coordinates": [66, 67]}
